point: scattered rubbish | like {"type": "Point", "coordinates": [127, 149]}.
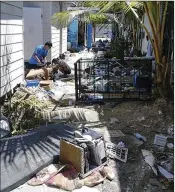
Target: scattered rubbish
{"type": "Point", "coordinates": [70, 102]}
{"type": "Point", "coordinates": [108, 172]}
{"type": "Point", "coordinates": [114, 133]}
{"type": "Point", "coordinates": [114, 151]}
{"type": "Point", "coordinates": [32, 83]}
{"type": "Point", "coordinates": [165, 173]}
{"type": "Point", "coordinates": [140, 119]}
{"type": "Point", "coordinates": [170, 145]}
{"type": "Point", "coordinates": [160, 140]}
{"type": "Point", "coordinates": [47, 84]}
{"type": "Point", "coordinates": [86, 189]}
{"type": "Point", "coordinates": [149, 159]}
{"type": "Point", "coordinates": [94, 179]}
{"type": "Point", "coordinates": [114, 120]}
{"type": "Point", "coordinates": [121, 144]}
{"type": "Point", "coordinates": [67, 179]}
{"type": "Point", "coordinates": [171, 130]}
{"type": "Point", "coordinates": [146, 126]}
{"type": "Point", "coordinates": [154, 182]}
{"type": "Point", "coordinates": [160, 112]}
{"type": "Point", "coordinates": [112, 105]}
{"type": "Point", "coordinates": [45, 174]}
{"type": "Point", "coordinates": [139, 136]}
{"type": "Point", "coordinates": [167, 165]}
{"type": "Point", "coordinates": [85, 155]}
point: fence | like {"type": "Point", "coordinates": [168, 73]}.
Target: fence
{"type": "Point", "coordinates": [103, 79]}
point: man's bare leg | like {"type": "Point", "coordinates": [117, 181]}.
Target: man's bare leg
{"type": "Point", "coordinates": [46, 72]}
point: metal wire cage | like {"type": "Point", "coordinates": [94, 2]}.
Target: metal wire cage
{"type": "Point", "coordinates": [104, 79]}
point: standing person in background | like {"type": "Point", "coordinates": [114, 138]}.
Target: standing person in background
{"type": "Point", "coordinates": [38, 59]}
{"type": "Point", "coordinates": [149, 48]}
{"type": "Point", "coordinates": [150, 53]}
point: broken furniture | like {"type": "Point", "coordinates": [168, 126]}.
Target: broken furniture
{"type": "Point", "coordinates": [85, 154]}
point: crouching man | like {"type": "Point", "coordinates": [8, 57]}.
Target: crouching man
{"type": "Point", "coordinates": [38, 59]}
{"type": "Point", "coordinates": [62, 66]}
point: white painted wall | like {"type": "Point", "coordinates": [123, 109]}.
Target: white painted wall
{"type": "Point", "coordinates": [33, 30]}
{"type": "Point", "coordinates": [46, 19]}
{"type": "Point", "coordinates": [144, 41]}
{"type": "Point", "coordinates": [11, 45]}
{"type": "Point", "coordinates": [55, 33]}
{"type": "Point", "coordinates": [64, 40]}
{"type": "Point", "coordinates": [50, 33]}
{"type": "Point", "coordinates": [65, 5]}
{"type": "Point", "coordinates": [103, 31]}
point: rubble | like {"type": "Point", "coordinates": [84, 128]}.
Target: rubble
{"type": "Point", "coordinates": [160, 140]}
{"type": "Point", "coordinates": [57, 104]}
{"type": "Point", "coordinates": [150, 159]}
{"type": "Point", "coordinates": [117, 152]}
{"type": "Point", "coordinates": [165, 173]}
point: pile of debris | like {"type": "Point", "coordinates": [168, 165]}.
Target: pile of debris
{"type": "Point", "coordinates": [34, 98]}
{"type": "Point", "coordinates": [84, 162]}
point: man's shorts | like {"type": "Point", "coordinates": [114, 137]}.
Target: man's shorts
{"type": "Point", "coordinates": [33, 66]}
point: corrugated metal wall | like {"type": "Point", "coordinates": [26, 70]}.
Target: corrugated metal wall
{"type": "Point", "coordinates": [11, 45]}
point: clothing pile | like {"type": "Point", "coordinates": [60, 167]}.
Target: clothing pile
{"type": "Point", "coordinates": [67, 178]}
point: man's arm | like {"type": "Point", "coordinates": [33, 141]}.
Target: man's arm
{"type": "Point", "coordinates": [35, 55]}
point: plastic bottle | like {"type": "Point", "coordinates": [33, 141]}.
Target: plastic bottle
{"type": "Point", "coordinates": [140, 137]}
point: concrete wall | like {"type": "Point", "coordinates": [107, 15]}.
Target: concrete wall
{"type": "Point", "coordinates": [11, 45]}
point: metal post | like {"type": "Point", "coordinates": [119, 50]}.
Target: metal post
{"type": "Point", "coordinates": [76, 81]}
{"type": "Point", "coordinates": [61, 31]}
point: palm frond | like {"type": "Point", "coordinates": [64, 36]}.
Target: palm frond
{"type": "Point", "coordinates": [94, 18]}
{"type": "Point", "coordinates": [62, 19]}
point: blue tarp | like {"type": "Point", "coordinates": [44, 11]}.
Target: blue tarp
{"type": "Point", "coordinates": [89, 35]}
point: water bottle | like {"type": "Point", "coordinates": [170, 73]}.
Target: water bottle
{"type": "Point", "coordinates": [140, 136]}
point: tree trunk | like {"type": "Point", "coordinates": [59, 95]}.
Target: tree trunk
{"type": "Point", "coordinates": [163, 80]}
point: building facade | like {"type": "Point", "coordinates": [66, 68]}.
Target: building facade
{"type": "Point", "coordinates": [24, 25]}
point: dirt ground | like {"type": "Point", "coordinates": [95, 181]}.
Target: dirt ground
{"type": "Point", "coordinates": [147, 119]}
